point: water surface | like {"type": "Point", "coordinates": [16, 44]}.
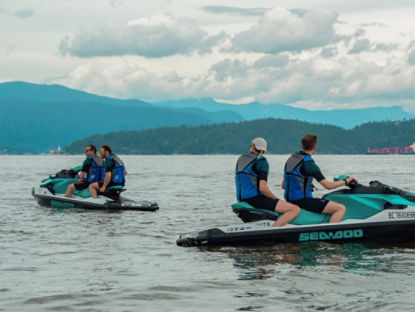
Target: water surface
{"type": "Point", "coordinates": [77, 260]}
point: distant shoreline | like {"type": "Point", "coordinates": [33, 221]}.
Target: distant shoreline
{"type": "Point", "coordinates": [227, 154]}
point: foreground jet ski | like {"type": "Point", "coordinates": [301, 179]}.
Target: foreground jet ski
{"type": "Point", "coordinates": [51, 192]}
{"type": "Point", "coordinates": [376, 213]}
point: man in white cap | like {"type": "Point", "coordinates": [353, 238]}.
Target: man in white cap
{"type": "Point", "coordinates": [251, 176]}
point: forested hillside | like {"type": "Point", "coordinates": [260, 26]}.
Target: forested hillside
{"type": "Point", "coordinates": [283, 137]}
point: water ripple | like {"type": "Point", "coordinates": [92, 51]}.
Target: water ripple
{"type": "Point", "coordinates": [78, 260]}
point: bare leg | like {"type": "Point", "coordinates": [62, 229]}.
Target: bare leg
{"type": "Point", "coordinates": [93, 189]}
{"type": "Point", "coordinates": [289, 211]}
{"type": "Point", "coordinates": [69, 190]}
{"type": "Point", "coordinates": [337, 211]}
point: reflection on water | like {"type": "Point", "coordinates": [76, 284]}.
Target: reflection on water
{"type": "Point", "coordinates": [304, 272]}
{"type": "Point", "coordinates": [253, 262]}
{"type": "Point", "coordinates": [77, 260]}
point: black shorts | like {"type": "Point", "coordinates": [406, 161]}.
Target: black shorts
{"type": "Point", "coordinates": [262, 202]}
{"type": "Point", "coordinates": [101, 183]}
{"type": "Point", "coordinates": [81, 185]}
{"type": "Point", "coordinates": [311, 204]}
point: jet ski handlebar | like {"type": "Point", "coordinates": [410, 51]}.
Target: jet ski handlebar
{"type": "Point", "coordinates": [352, 184]}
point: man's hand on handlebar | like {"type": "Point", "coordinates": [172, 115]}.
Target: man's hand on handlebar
{"type": "Point", "coordinates": [349, 181]}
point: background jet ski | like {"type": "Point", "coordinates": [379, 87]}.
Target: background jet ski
{"type": "Point", "coordinates": [51, 193]}
{"type": "Point", "coordinates": [376, 213]}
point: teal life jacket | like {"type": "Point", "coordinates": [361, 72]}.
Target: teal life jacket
{"type": "Point", "coordinates": [246, 179]}
{"type": "Point", "coordinates": [296, 185]}
{"type": "Point", "coordinates": [96, 170]}
{"type": "Point", "coordinates": [118, 173]}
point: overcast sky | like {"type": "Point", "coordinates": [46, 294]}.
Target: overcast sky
{"type": "Point", "coordinates": [320, 54]}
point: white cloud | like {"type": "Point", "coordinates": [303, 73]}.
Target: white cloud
{"type": "Point", "coordinates": [411, 57]}
{"type": "Point", "coordinates": [24, 13]}
{"type": "Point", "coordinates": [279, 60]}
{"type": "Point", "coordinates": [124, 79]}
{"type": "Point", "coordinates": [10, 50]}
{"type": "Point", "coordinates": [343, 81]}
{"type": "Point", "coordinates": [385, 47]}
{"type": "Point", "coordinates": [159, 36]}
{"type": "Point", "coordinates": [360, 45]}
{"type": "Point", "coordinates": [223, 9]}
{"type": "Point", "coordinates": [284, 30]}
{"type": "Point", "coordinates": [329, 52]}
{"type": "Point", "coordinates": [299, 57]}
{"type": "Point", "coordinates": [116, 3]}
{"type": "Point", "coordinates": [229, 69]}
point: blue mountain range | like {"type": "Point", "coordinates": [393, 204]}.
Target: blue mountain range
{"type": "Point", "coordinates": [38, 118]}
{"type": "Point", "coordinates": [345, 118]}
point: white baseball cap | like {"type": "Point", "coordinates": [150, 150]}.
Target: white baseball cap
{"type": "Point", "coordinates": [260, 144]}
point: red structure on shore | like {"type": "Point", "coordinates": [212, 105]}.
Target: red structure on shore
{"type": "Point", "coordinates": [392, 150]}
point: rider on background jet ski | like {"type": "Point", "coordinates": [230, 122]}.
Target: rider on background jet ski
{"type": "Point", "coordinates": [92, 171]}
{"type": "Point", "coordinates": [299, 171]}
{"type": "Point", "coordinates": [251, 175]}
{"type": "Point", "coordinates": [114, 172]}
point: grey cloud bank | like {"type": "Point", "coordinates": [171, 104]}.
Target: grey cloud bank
{"type": "Point", "coordinates": [308, 57]}
{"type": "Point", "coordinates": [285, 81]}
{"type": "Point", "coordinates": [278, 30]}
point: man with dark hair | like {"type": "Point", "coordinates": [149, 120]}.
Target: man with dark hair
{"type": "Point", "coordinates": [251, 176]}
{"type": "Point", "coordinates": [106, 148]}
{"type": "Point", "coordinates": [91, 171]}
{"type": "Point", "coordinates": [299, 171]}
{"type": "Point", "coordinates": [114, 172]}
{"type": "Point", "coordinates": [308, 142]}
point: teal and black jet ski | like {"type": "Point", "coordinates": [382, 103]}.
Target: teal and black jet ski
{"type": "Point", "coordinates": [376, 213]}
{"type": "Point", "coordinates": [51, 193]}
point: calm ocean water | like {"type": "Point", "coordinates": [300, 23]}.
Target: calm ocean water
{"type": "Point", "coordinates": [76, 260]}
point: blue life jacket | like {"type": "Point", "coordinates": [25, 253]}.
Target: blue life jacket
{"type": "Point", "coordinates": [118, 173]}
{"type": "Point", "coordinates": [96, 170]}
{"type": "Point", "coordinates": [245, 178]}
{"type": "Point", "coordinates": [296, 185]}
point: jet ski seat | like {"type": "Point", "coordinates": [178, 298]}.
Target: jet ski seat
{"type": "Point", "coordinates": [116, 187]}
{"type": "Point", "coordinates": [112, 191]}
{"type": "Point", "coordinates": [247, 213]}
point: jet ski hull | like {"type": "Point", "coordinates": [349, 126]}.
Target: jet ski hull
{"type": "Point", "coordinates": [388, 227]}
{"type": "Point", "coordinates": [376, 213]}
{"type": "Point", "coordinates": [46, 199]}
